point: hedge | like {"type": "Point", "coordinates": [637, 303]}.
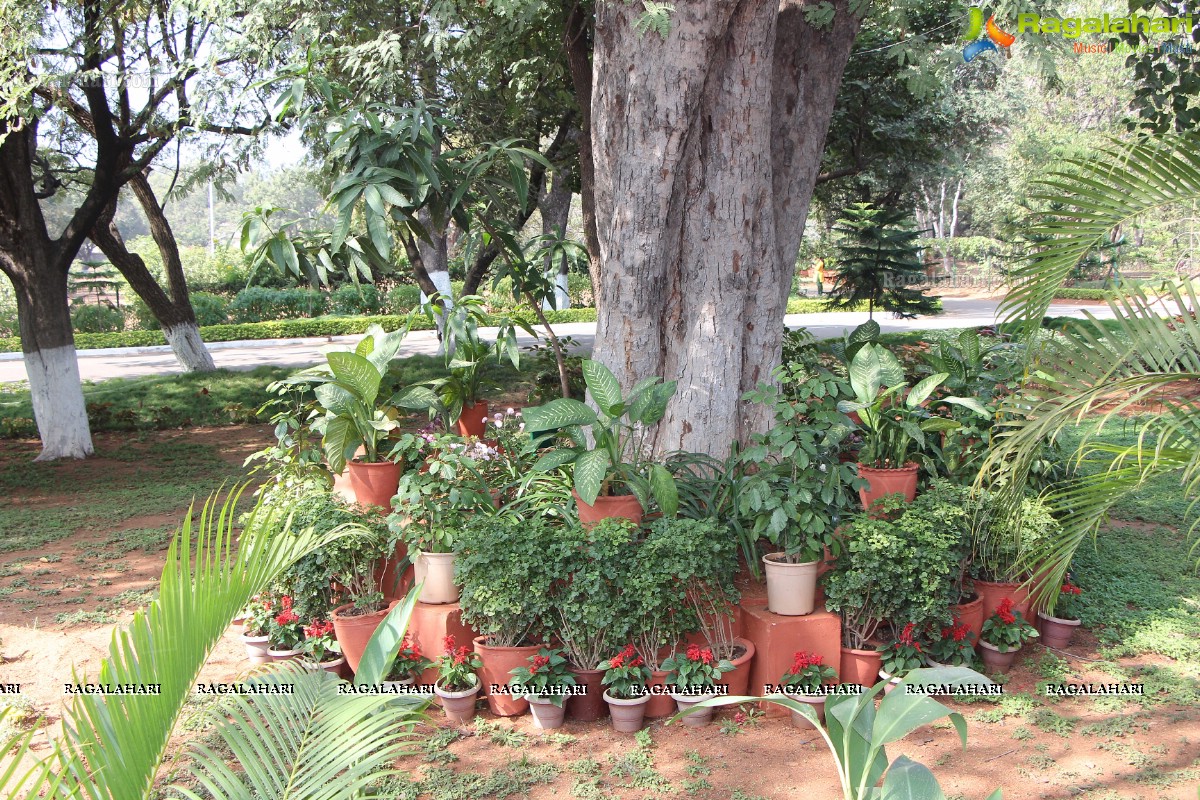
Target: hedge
{"type": "Point", "coordinates": [1083, 294]}
{"type": "Point", "coordinates": [281, 329]}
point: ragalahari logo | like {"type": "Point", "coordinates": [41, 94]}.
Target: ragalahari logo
{"type": "Point", "coordinates": [992, 35]}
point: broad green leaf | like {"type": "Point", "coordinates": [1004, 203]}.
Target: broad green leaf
{"type": "Point", "coordinates": [339, 443]}
{"type": "Point", "coordinates": [590, 468]}
{"type": "Point", "coordinates": [901, 712]}
{"type": "Point", "coordinates": [336, 399]}
{"type": "Point", "coordinates": [555, 459]}
{"type": "Point", "coordinates": [602, 386]}
{"type": "Point", "coordinates": [968, 402]}
{"type": "Point", "coordinates": [357, 374]}
{"type": "Point", "coordinates": [666, 493]}
{"type": "Point", "coordinates": [557, 414]}
{"type": "Point", "coordinates": [920, 393]}
{"type": "Point", "coordinates": [908, 780]}
{"type": "Point", "coordinates": [417, 398]}
{"type": "Point", "coordinates": [385, 642]}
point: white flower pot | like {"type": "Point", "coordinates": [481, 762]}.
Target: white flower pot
{"type": "Point", "coordinates": [791, 588]}
{"type": "Point", "coordinates": [436, 572]}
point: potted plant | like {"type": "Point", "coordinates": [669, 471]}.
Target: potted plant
{"type": "Point", "coordinates": [255, 619]}
{"type": "Point", "coordinates": [408, 665]}
{"type": "Point", "coordinates": [1007, 546]}
{"type": "Point", "coordinates": [348, 391]}
{"type": "Point", "coordinates": [545, 680]}
{"type": "Point", "coordinates": [355, 620]}
{"type": "Point", "coordinates": [714, 599]}
{"type": "Point", "coordinates": [792, 485]}
{"type": "Point", "coordinates": [1004, 633]}
{"type": "Point", "coordinates": [286, 632]}
{"type": "Point", "coordinates": [805, 679]}
{"type": "Point", "coordinates": [458, 681]}
{"type": "Point", "coordinates": [694, 675]}
{"type": "Point", "coordinates": [901, 657]}
{"type": "Point", "coordinates": [625, 675]}
{"type": "Point", "coordinates": [612, 476]}
{"type": "Point", "coordinates": [1060, 620]}
{"type": "Point", "coordinates": [952, 647]}
{"type": "Point", "coordinates": [506, 596]}
{"type": "Point", "coordinates": [894, 421]}
{"type": "Point", "coordinates": [321, 650]}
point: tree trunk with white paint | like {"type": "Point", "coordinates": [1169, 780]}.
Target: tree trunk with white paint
{"type": "Point", "coordinates": [707, 147]}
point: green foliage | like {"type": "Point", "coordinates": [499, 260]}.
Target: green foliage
{"type": "Point", "coordinates": [546, 671]}
{"type": "Point", "coordinates": [97, 319]}
{"type": "Point", "coordinates": [695, 668]}
{"type": "Point", "coordinates": [878, 261]}
{"type": "Point", "coordinates": [1008, 540]}
{"type": "Point", "coordinates": [1007, 629]}
{"type": "Point", "coordinates": [357, 300]}
{"type": "Point", "coordinates": [210, 309]}
{"type": "Point", "coordinates": [403, 298]}
{"type": "Point", "coordinates": [260, 304]}
{"type": "Point", "coordinates": [433, 503]}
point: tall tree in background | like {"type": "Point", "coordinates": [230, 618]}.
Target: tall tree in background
{"type": "Point", "coordinates": [879, 263]}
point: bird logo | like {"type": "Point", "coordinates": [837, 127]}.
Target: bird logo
{"type": "Point", "coordinates": [992, 35]}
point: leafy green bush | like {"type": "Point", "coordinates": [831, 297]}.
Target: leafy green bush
{"type": "Point", "coordinates": [97, 319]}
{"type": "Point", "coordinates": [1068, 293]}
{"type": "Point", "coordinates": [403, 298]}
{"type": "Point", "coordinates": [210, 310]}
{"type": "Point", "coordinates": [356, 300]}
{"type": "Point", "coordinates": [260, 304]}
{"type": "Point", "coordinates": [8, 319]}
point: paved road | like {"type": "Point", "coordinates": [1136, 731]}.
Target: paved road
{"type": "Point", "coordinates": [96, 365]}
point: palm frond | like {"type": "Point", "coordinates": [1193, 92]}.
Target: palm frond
{"type": "Point", "coordinates": [1089, 198]}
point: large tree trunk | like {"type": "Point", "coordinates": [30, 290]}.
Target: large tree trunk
{"type": "Point", "coordinates": [577, 41]}
{"type": "Point", "coordinates": [707, 147]}
{"type": "Point", "coordinates": [556, 211]}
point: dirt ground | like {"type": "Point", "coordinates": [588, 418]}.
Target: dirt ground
{"type": "Point", "coordinates": [1031, 746]}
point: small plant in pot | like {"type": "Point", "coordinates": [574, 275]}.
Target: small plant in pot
{"type": "Point", "coordinates": [805, 679]}
{"type": "Point", "coordinates": [951, 647]}
{"type": "Point", "coordinates": [408, 665]}
{"type": "Point", "coordinates": [694, 675]}
{"type": "Point", "coordinates": [1060, 620]}
{"type": "Point", "coordinates": [612, 476]}
{"type": "Point", "coordinates": [546, 681]}
{"type": "Point", "coordinates": [458, 681]}
{"type": "Point", "coordinates": [894, 421]}
{"type": "Point", "coordinates": [286, 632]}
{"type": "Point", "coordinates": [792, 487]}
{"type": "Point", "coordinates": [1008, 543]}
{"type": "Point", "coordinates": [355, 620]}
{"type": "Point", "coordinates": [255, 619]}
{"type": "Point", "coordinates": [321, 649]}
{"type": "Point", "coordinates": [901, 657]}
{"type": "Point", "coordinates": [625, 675]}
{"type": "Point", "coordinates": [1004, 633]}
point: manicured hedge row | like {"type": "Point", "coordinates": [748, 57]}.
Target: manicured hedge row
{"type": "Point", "coordinates": [1083, 294]}
{"type": "Point", "coordinates": [281, 329]}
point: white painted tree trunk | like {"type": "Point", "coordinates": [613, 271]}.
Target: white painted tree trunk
{"type": "Point", "coordinates": [58, 404]}
{"type": "Point", "coordinates": [189, 348]}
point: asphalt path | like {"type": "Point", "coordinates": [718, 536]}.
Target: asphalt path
{"type": "Point", "coordinates": [130, 362]}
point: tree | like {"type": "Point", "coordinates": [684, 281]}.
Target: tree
{"type": "Point", "coordinates": [879, 261]}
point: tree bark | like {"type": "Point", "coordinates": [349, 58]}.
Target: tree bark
{"type": "Point", "coordinates": [707, 147]}
{"type": "Point", "coordinates": [556, 210]}
{"type": "Point", "coordinates": [577, 41]}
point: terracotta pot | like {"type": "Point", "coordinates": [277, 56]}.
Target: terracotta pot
{"type": "Point", "coordinates": [892, 682]}
{"type": "Point", "coordinates": [256, 648]}
{"type": "Point", "coordinates": [738, 680]}
{"type": "Point", "coordinates": [883, 482]}
{"type": "Point", "coordinates": [623, 506]}
{"type": "Point", "coordinates": [627, 715]}
{"type": "Point", "coordinates": [994, 660]}
{"type": "Point", "coordinates": [473, 419]}
{"type": "Point", "coordinates": [791, 588]}
{"type": "Point", "coordinates": [374, 484]}
{"type": "Point", "coordinates": [698, 719]}
{"type": "Point", "coordinates": [817, 703]}
{"type": "Point", "coordinates": [459, 706]}
{"type": "Point", "coordinates": [283, 655]}
{"type": "Point", "coordinates": [353, 632]}
{"type": "Point", "coordinates": [437, 571]}
{"type": "Point", "coordinates": [860, 666]}
{"type": "Point", "coordinates": [546, 715]}
{"type": "Point", "coordinates": [498, 664]}
{"type": "Point", "coordinates": [591, 706]}
{"type": "Point", "coordinates": [661, 704]}
{"type": "Point", "coordinates": [992, 592]}
{"type": "Point", "coordinates": [1056, 632]}
{"type": "Point", "coordinates": [971, 615]}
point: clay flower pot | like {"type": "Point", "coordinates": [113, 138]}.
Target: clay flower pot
{"type": "Point", "coordinates": [256, 648]}
{"type": "Point", "coordinates": [992, 592]}
{"type": "Point", "coordinates": [971, 615]}
{"type": "Point", "coordinates": [473, 420]}
{"type": "Point", "coordinates": [354, 631]}
{"type": "Point", "coordinates": [459, 706]}
{"type": "Point", "coordinates": [860, 666]}
{"type": "Point", "coordinates": [817, 702]}
{"type": "Point", "coordinates": [994, 660]}
{"type": "Point", "coordinates": [437, 572]}
{"type": "Point", "coordinates": [660, 703]}
{"type": "Point", "coordinates": [623, 506]}
{"type": "Point", "coordinates": [498, 664]}
{"type": "Point", "coordinates": [546, 715]}
{"type": "Point", "coordinates": [283, 655]}
{"type": "Point", "coordinates": [791, 588]}
{"type": "Point", "coordinates": [587, 707]}
{"type": "Point", "coordinates": [627, 715]}
{"type": "Point", "coordinates": [738, 679]}
{"type": "Point", "coordinates": [883, 482]}
{"type": "Point", "coordinates": [1056, 632]}
{"type": "Point", "coordinates": [374, 484]}
{"type": "Point", "coordinates": [697, 719]}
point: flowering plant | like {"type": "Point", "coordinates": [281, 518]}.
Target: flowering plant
{"type": "Point", "coordinates": [903, 655]}
{"type": "Point", "coordinates": [546, 670]}
{"type": "Point", "coordinates": [625, 674]}
{"type": "Point", "coordinates": [456, 667]}
{"type": "Point", "coordinates": [808, 673]}
{"type": "Point", "coordinates": [1007, 629]}
{"type": "Point", "coordinates": [319, 644]}
{"type": "Point", "coordinates": [434, 502]}
{"type": "Point", "coordinates": [696, 668]}
{"type": "Point", "coordinates": [285, 629]}
{"type": "Point", "coordinates": [409, 663]}
{"type": "Point", "coordinates": [256, 616]}
{"type": "Point", "coordinates": [1067, 604]}
{"type": "Point", "coordinates": [953, 647]}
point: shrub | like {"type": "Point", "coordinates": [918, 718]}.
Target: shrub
{"type": "Point", "coordinates": [97, 319]}
{"type": "Point", "coordinates": [356, 300]}
{"type": "Point", "coordinates": [260, 304]}
{"type": "Point", "coordinates": [403, 298]}
{"type": "Point", "coordinates": [210, 310]}
{"type": "Point", "coordinates": [8, 319]}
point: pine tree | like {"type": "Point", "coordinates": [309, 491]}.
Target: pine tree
{"type": "Point", "coordinates": [879, 261]}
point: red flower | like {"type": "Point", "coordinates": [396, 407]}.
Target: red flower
{"type": "Point", "coordinates": [815, 660]}
{"type": "Point", "coordinates": [286, 618]}
{"type": "Point", "coordinates": [637, 662]}
{"type": "Point", "coordinates": [286, 602]}
{"type": "Point", "coordinates": [460, 655]}
{"type": "Point", "coordinates": [960, 632]}
{"type": "Point", "coordinates": [1005, 611]}
{"type": "Point", "coordinates": [706, 655]}
{"type": "Point", "coordinates": [693, 652]}
{"type": "Point", "coordinates": [539, 662]}
{"type": "Point", "coordinates": [448, 644]}
{"type": "Point", "coordinates": [739, 718]}
{"type": "Point", "coordinates": [1067, 588]}
{"type": "Point", "coordinates": [617, 661]}
{"type": "Point", "coordinates": [906, 636]}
